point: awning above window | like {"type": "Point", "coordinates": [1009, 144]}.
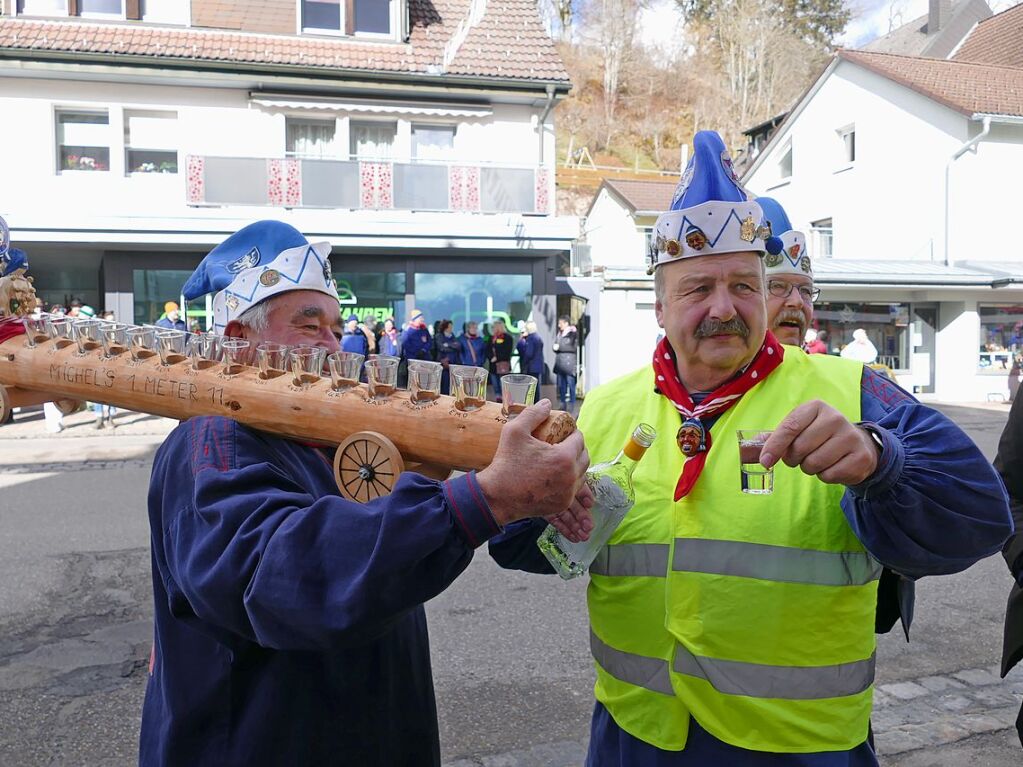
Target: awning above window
{"type": "Point", "coordinates": [338, 105]}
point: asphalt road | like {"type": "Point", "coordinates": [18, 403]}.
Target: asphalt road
{"type": "Point", "coordinates": [511, 662]}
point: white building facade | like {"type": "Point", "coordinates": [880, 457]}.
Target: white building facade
{"type": "Point", "coordinates": [901, 185]}
{"type": "Point", "coordinates": [408, 140]}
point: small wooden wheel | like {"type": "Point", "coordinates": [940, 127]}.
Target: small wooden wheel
{"type": "Point", "coordinates": [366, 466]}
{"type": "Point", "coordinates": [68, 406]}
{"type": "Point", "coordinates": [5, 405]}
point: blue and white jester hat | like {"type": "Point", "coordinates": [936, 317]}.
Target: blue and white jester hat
{"type": "Point", "coordinates": [12, 260]}
{"type": "Point", "coordinates": [786, 247]}
{"type": "Point", "coordinates": [257, 262]}
{"type": "Point", "coordinates": [711, 213]}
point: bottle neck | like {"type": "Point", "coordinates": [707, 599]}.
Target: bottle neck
{"type": "Point", "coordinates": [631, 453]}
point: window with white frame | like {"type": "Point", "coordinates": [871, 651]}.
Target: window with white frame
{"type": "Point", "coordinates": [101, 8]}
{"type": "Point", "coordinates": [822, 236]}
{"type": "Point", "coordinates": [433, 142]}
{"type": "Point", "coordinates": [371, 140]}
{"type": "Point", "coordinates": [307, 138]}
{"type": "Point", "coordinates": [847, 135]}
{"type": "Point", "coordinates": [164, 11]}
{"type": "Point", "coordinates": [366, 17]}
{"type": "Point", "coordinates": [83, 140]}
{"type": "Point", "coordinates": [43, 7]}
{"type": "Point", "coordinates": [785, 163]}
{"type": "Point", "coordinates": [150, 142]}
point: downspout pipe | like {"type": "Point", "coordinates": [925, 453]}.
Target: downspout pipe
{"type": "Point", "coordinates": [543, 119]}
{"type": "Point", "coordinates": [948, 169]}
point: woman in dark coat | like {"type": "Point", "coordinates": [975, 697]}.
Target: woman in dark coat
{"type": "Point", "coordinates": [566, 347]}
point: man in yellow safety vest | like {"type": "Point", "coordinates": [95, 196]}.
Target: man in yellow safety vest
{"type": "Point", "coordinates": [730, 628]}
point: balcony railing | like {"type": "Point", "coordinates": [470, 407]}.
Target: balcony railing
{"type": "Point", "coordinates": [367, 185]}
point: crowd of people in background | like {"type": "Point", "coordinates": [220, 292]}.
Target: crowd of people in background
{"type": "Point", "coordinates": [489, 346]}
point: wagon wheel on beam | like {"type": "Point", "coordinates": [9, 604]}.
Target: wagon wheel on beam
{"type": "Point", "coordinates": [366, 466]}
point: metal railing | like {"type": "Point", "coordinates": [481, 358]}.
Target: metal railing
{"type": "Point", "coordinates": [361, 184]}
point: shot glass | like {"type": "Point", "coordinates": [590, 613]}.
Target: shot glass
{"type": "Point", "coordinates": [203, 350]}
{"type": "Point", "coordinates": [272, 359]}
{"type": "Point", "coordinates": [35, 329]}
{"type": "Point", "coordinates": [59, 329]}
{"type": "Point", "coordinates": [424, 381]}
{"type": "Point", "coordinates": [517, 393]}
{"type": "Point", "coordinates": [115, 338]}
{"type": "Point", "coordinates": [382, 377]}
{"type": "Point", "coordinates": [86, 335]}
{"type": "Point", "coordinates": [234, 354]}
{"type": "Point", "coordinates": [171, 345]}
{"type": "Point", "coordinates": [468, 386]}
{"type": "Point", "coordinates": [306, 364]}
{"type": "Point", "coordinates": [756, 480]}
{"type": "Point", "coordinates": [141, 342]}
{"type": "Point", "coordinates": [345, 368]}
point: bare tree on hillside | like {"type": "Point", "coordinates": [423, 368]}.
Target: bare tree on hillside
{"type": "Point", "coordinates": [557, 14]}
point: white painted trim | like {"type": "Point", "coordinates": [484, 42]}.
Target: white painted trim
{"type": "Point", "coordinates": [273, 101]}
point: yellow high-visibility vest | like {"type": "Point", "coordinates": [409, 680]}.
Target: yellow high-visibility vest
{"type": "Point", "coordinates": [753, 613]}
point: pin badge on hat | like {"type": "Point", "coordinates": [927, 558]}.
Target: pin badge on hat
{"type": "Point", "coordinates": [696, 239]}
{"type": "Point", "coordinates": [748, 229]}
{"type": "Point", "coordinates": [269, 278]}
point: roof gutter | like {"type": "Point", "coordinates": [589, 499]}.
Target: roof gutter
{"type": "Point", "coordinates": [446, 81]}
{"type": "Point", "coordinates": [543, 120]}
{"type": "Point", "coordinates": [948, 170]}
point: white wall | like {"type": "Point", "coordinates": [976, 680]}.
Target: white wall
{"type": "Point", "coordinates": [889, 203]}
{"type": "Point", "coordinates": [211, 121]}
{"type": "Point", "coordinates": [627, 331]}
{"type": "Point", "coordinates": [614, 237]}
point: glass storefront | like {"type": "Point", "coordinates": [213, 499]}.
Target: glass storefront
{"type": "Point", "coordinates": [381, 294]}
{"type": "Point", "coordinates": [474, 297]}
{"type": "Point", "coordinates": [887, 327]}
{"type": "Point", "coordinates": [1001, 336]}
{"type": "Point", "coordinates": [155, 287]}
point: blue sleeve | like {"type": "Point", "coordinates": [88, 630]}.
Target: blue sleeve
{"type": "Point", "coordinates": [934, 505]}
{"type": "Point", "coordinates": [516, 549]}
{"type": "Point", "coordinates": [252, 551]}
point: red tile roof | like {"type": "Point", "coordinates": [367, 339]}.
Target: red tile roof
{"type": "Point", "coordinates": [997, 40]}
{"type": "Point", "coordinates": [963, 86]}
{"type": "Point", "coordinates": [643, 195]}
{"type": "Point", "coordinates": [508, 43]}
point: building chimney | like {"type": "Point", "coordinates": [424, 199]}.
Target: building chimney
{"type": "Point", "coordinates": [938, 15]}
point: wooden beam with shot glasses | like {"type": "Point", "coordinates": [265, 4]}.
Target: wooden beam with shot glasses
{"type": "Point", "coordinates": [380, 430]}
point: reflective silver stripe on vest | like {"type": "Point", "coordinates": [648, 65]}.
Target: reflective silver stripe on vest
{"type": "Point", "coordinates": [649, 673]}
{"type": "Point", "coordinates": [787, 682]}
{"type": "Point", "coordinates": [640, 559]}
{"type": "Point", "coordinates": [774, 563]}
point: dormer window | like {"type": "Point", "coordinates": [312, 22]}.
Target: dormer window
{"type": "Point", "coordinates": [373, 18]}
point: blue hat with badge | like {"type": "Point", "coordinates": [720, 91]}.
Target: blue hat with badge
{"type": "Point", "coordinates": [257, 262]}
{"type": "Point", "coordinates": [786, 247]}
{"type": "Point", "coordinates": [711, 213]}
{"type": "Point", "coordinates": [12, 260]}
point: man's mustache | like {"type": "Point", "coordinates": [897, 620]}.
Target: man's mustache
{"type": "Point", "coordinates": [713, 327]}
{"type": "Point", "coordinates": [790, 315]}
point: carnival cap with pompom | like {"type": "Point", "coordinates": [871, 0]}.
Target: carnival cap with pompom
{"type": "Point", "coordinates": [786, 247]}
{"type": "Point", "coordinates": [711, 213]}
{"type": "Point", "coordinates": [257, 262]}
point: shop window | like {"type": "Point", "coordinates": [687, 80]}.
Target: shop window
{"type": "Point", "coordinates": [433, 142]}
{"type": "Point", "coordinates": [312, 139]}
{"type": "Point", "coordinates": [83, 140]}
{"type": "Point", "coordinates": [150, 142]}
{"type": "Point", "coordinates": [479, 298]}
{"type": "Point", "coordinates": [381, 294]}
{"type": "Point", "coordinates": [153, 288]}
{"type": "Point", "coordinates": [372, 140]}
{"type": "Point", "coordinates": [886, 325]}
{"type": "Point", "coordinates": [1001, 336]}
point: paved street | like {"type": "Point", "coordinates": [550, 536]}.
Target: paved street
{"type": "Point", "coordinates": [511, 662]}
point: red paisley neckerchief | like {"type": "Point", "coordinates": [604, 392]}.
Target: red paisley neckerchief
{"type": "Point", "coordinates": [665, 371]}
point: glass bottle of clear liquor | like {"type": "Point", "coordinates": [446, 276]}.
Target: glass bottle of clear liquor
{"type": "Point", "coordinates": [613, 496]}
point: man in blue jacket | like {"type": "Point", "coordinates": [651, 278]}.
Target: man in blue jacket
{"type": "Point", "coordinates": [289, 627]}
{"type": "Point", "coordinates": [353, 339]}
